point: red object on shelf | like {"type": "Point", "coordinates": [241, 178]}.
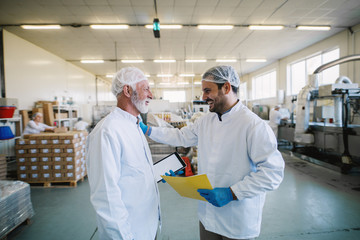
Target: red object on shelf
{"type": "Point", "coordinates": [188, 171]}
{"type": "Point", "coordinates": [7, 111]}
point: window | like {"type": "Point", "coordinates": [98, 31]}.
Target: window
{"type": "Point", "coordinates": [174, 96]}
{"type": "Point", "coordinates": [299, 71]}
{"type": "Point", "coordinates": [264, 86]}
{"type": "Point", "coordinates": [243, 91]}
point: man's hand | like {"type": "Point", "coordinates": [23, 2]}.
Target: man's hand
{"type": "Point", "coordinates": [146, 129]}
{"type": "Point", "coordinates": [172, 174]}
{"type": "Point", "coordinates": [218, 196]}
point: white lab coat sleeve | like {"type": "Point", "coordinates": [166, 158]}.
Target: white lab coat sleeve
{"type": "Point", "coordinates": [185, 137]}
{"type": "Point", "coordinates": [268, 164]}
{"type": "Point", "coordinates": [36, 127]}
{"type": "Point", "coordinates": [104, 173]}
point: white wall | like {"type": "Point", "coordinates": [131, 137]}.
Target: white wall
{"type": "Point", "coordinates": [33, 74]}
{"type": "Point", "coordinates": [348, 44]}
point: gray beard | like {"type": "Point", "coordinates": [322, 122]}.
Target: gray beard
{"type": "Point", "coordinates": [139, 104]}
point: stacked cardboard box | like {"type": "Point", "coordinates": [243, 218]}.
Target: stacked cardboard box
{"type": "Point", "coordinates": [51, 157]}
{"type": "Point", "coordinates": [3, 167]}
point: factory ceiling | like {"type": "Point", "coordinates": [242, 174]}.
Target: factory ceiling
{"type": "Point", "coordinates": [76, 40]}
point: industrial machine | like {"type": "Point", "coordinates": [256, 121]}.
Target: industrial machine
{"type": "Point", "coordinates": [331, 136]}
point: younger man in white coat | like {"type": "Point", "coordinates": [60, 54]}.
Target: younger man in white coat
{"type": "Point", "coordinates": [238, 152]}
{"type": "Point", "coordinates": [124, 191]}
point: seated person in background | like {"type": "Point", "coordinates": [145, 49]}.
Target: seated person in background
{"type": "Point", "coordinates": [80, 125]}
{"type": "Point", "coordinates": [36, 126]}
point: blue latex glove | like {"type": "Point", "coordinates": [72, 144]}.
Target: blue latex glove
{"type": "Point", "coordinates": [218, 196]}
{"type": "Point", "coordinates": [172, 174]}
{"type": "Point", "coordinates": [145, 128]}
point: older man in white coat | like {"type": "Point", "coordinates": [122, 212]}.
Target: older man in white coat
{"type": "Point", "coordinates": [124, 191]}
{"type": "Point", "coordinates": [238, 152]}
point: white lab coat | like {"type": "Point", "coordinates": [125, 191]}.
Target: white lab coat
{"type": "Point", "coordinates": [81, 125]}
{"type": "Point", "coordinates": [123, 188]}
{"type": "Point", "coordinates": [32, 127]}
{"type": "Point", "coordinates": [274, 120]}
{"type": "Point", "coordinates": [238, 152]}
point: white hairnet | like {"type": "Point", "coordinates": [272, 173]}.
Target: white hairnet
{"type": "Point", "coordinates": [222, 74]}
{"type": "Point", "coordinates": [126, 76]}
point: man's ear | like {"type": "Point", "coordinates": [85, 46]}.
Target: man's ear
{"type": "Point", "coordinates": [127, 90]}
{"type": "Point", "coordinates": [227, 87]}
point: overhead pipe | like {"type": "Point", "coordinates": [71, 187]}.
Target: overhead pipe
{"type": "Point", "coordinates": [350, 58]}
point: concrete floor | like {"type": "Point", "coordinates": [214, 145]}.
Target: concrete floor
{"type": "Point", "coordinates": [311, 203]}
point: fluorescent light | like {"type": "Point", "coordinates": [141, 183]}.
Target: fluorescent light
{"type": "Point", "coordinates": [187, 75]}
{"type": "Point", "coordinates": [92, 61]}
{"type": "Point", "coordinates": [109, 26]}
{"type": "Point", "coordinates": [151, 83]}
{"type": "Point", "coordinates": [41, 26]}
{"type": "Point", "coordinates": [165, 83]}
{"type": "Point", "coordinates": [195, 60]}
{"type": "Point", "coordinates": [109, 75]}
{"type": "Point", "coordinates": [314, 28]}
{"type": "Point", "coordinates": [266, 27]}
{"type": "Point", "coordinates": [164, 61]}
{"type": "Point", "coordinates": [197, 83]}
{"type": "Point", "coordinates": [133, 61]}
{"type": "Point", "coordinates": [256, 60]}
{"type": "Point", "coordinates": [182, 83]}
{"type": "Point", "coordinates": [147, 75]}
{"type": "Point", "coordinates": [165, 26]}
{"type": "Point", "coordinates": [215, 27]}
{"type": "Point", "coordinates": [225, 60]}
{"type": "Point", "coordinates": [164, 75]}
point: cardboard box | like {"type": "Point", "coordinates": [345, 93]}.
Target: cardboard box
{"type": "Point", "coordinates": [22, 169]}
{"type": "Point", "coordinates": [61, 115]}
{"type": "Point", "coordinates": [21, 141]}
{"type": "Point", "coordinates": [23, 176]}
{"type": "Point", "coordinates": [48, 114]}
{"type": "Point", "coordinates": [60, 130]}
{"type": "Point", "coordinates": [45, 160]}
{"type": "Point", "coordinates": [46, 176]}
{"type": "Point", "coordinates": [58, 176]}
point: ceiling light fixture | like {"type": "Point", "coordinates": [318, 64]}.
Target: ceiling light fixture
{"type": "Point", "coordinates": [164, 75]}
{"type": "Point", "coordinates": [314, 28]}
{"type": "Point", "coordinates": [165, 26]}
{"type": "Point", "coordinates": [165, 61]}
{"type": "Point", "coordinates": [132, 61]}
{"type": "Point", "coordinates": [195, 60]}
{"type": "Point", "coordinates": [197, 83]}
{"type": "Point", "coordinates": [187, 75]}
{"type": "Point", "coordinates": [151, 83]}
{"type": "Point", "coordinates": [109, 75]}
{"type": "Point", "coordinates": [92, 61]}
{"type": "Point", "coordinates": [183, 83]}
{"type": "Point", "coordinates": [266, 27]}
{"type": "Point", "coordinates": [225, 60]}
{"type": "Point", "coordinates": [41, 26]}
{"type": "Point", "coordinates": [147, 75]}
{"type": "Point", "coordinates": [109, 26]}
{"type": "Point", "coordinates": [215, 27]}
{"type": "Point", "coordinates": [165, 83]}
{"type": "Point", "coordinates": [256, 60]}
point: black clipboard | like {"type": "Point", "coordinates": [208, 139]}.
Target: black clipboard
{"type": "Point", "coordinates": [171, 162]}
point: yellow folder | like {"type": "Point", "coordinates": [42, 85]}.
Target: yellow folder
{"type": "Point", "coordinates": [188, 186]}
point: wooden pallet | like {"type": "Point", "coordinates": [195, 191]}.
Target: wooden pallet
{"type": "Point", "coordinates": [56, 184]}
{"type": "Point", "coordinates": [26, 222]}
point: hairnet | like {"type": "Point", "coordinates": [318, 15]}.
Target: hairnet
{"type": "Point", "coordinates": [222, 74]}
{"type": "Point", "coordinates": [35, 115]}
{"type": "Point", "coordinates": [126, 76]}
